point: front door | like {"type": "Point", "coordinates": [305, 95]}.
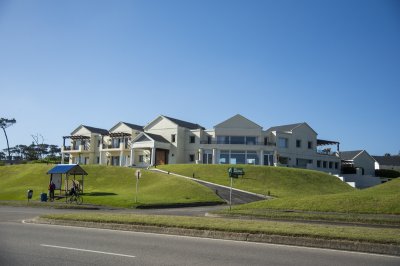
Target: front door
{"type": "Point", "coordinates": [161, 157]}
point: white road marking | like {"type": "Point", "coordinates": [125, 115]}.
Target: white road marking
{"type": "Point", "coordinates": [88, 250]}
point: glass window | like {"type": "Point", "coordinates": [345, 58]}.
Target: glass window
{"type": "Point", "coordinates": [141, 159]}
{"type": "Point", "coordinates": [191, 157]}
{"type": "Point", "coordinates": [283, 142]}
{"type": "Point", "coordinates": [173, 138]}
{"type": "Point", "coordinates": [224, 157]}
{"type": "Point", "coordinates": [237, 140]}
{"type": "Point", "coordinates": [324, 164]}
{"type": "Point", "coordinates": [310, 146]}
{"type": "Point", "coordinates": [192, 139]}
{"type": "Point", "coordinates": [298, 143]}
{"type": "Point", "coordinates": [238, 157]}
{"type": "Point", "coordinates": [222, 140]}
{"type": "Point", "coordinates": [330, 164]}
{"type": "Point", "coordinates": [252, 158]}
{"type": "Point", "coordinates": [251, 140]}
{"type": "Point", "coordinates": [319, 164]}
{"type": "Point", "coordinates": [336, 165]}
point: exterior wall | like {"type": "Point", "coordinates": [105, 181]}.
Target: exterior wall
{"type": "Point", "coordinates": [166, 129]}
{"type": "Point", "coordinates": [365, 161]}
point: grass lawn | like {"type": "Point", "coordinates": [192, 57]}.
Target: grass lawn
{"type": "Point", "coordinates": [278, 181]}
{"type": "Point", "coordinates": [365, 234]}
{"type": "Point", "coordinates": [106, 185]}
{"type": "Point", "coordinates": [381, 199]}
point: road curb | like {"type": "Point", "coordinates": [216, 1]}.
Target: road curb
{"type": "Point", "coordinates": [357, 246]}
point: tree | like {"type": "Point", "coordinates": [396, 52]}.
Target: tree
{"type": "Point", "coordinates": [5, 123]}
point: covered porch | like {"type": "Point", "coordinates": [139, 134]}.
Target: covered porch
{"type": "Point", "coordinates": [149, 150]}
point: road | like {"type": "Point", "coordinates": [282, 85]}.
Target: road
{"type": "Point", "coordinates": [37, 244]}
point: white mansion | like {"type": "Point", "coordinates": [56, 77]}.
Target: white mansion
{"type": "Point", "coordinates": [167, 140]}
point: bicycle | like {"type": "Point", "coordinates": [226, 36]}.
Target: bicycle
{"type": "Point", "coordinates": [77, 198]}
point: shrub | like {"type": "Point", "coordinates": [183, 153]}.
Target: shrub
{"type": "Point", "coordinates": [387, 173]}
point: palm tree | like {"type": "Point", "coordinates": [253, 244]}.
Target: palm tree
{"type": "Point", "coordinates": [5, 123]}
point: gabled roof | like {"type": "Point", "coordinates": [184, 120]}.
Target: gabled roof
{"type": "Point", "coordinates": [157, 137]}
{"type": "Point", "coordinates": [349, 155]}
{"type": "Point", "coordinates": [184, 124]}
{"type": "Point", "coordinates": [72, 169]}
{"type": "Point", "coordinates": [238, 118]}
{"type": "Point", "coordinates": [393, 160]}
{"type": "Point", "coordinates": [132, 126]}
{"type": "Point", "coordinates": [95, 130]}
{"type": "Point", "coordinates": [144, 136]}
{"type": "Point", "coordinates": [289, 127]}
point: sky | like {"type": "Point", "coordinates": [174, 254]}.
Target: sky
{"type": "Point", "coordinates": [333, 64]}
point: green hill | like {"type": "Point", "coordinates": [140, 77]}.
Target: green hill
{"type": "Point", "coordinates": [278, 181]}
{"type": "Point", "coordinates": [106, 185]}
{"type": "Point", "coordinates": [381, 199]}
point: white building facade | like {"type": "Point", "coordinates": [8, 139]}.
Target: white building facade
{"type": "Point", "coordinates": [237, 140]}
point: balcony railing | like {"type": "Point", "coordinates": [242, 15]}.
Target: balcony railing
{"type": "Point", "coordinates": [248, 143]}
{"type": "Point", "coordinates": [327, 152]}
{"type": "Point", "coordinates": [119, 146]}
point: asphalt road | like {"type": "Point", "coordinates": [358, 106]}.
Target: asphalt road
{"type": "Point", "coordinates": [36, 244]}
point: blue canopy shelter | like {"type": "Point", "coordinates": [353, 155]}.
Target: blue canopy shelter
{"type": "Point", "coordinates": [57, 172]}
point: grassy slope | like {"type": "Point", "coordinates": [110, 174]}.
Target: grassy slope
{"type": "Point", "coordinates": [112, 186]}
{"type": "Point", "coordinates": [279, 181]}
{"type": "Point", "coordinates": [383, 199]}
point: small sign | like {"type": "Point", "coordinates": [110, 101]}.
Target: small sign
{"type": "Point", "coordinates": [235, 172]}
{"type": "Point", "coordinates": [138, 174]}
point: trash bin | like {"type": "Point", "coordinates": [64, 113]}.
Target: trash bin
{"type": "Point", "coordinates": [29, 194]}
{"type": "Point", "coordinates": [43, 197]}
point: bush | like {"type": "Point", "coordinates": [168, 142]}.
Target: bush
{"type": "Point", "coordinates": [387, 173]}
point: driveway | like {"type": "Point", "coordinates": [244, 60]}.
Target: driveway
{"type": "Point", "coordinates": [238, 196]}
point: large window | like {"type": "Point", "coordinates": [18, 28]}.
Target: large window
{"type": "Point", "coordinates": [238, 157]}
{"type": "Point", "coordinates": [251, 140]}
{"type": "Point", "coordinates": [283, 142]}
{"type": "Point", "coordinates": [248, 140]}
{"type": "Point", "coordinates": [192, 139]}
{"type": "Point", "coordinates": [237, 140]}
{"type": "Point", "coordinates": [222, 139]}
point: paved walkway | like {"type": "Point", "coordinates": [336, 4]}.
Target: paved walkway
{"type": "Point", "coordinates": [238, 196]}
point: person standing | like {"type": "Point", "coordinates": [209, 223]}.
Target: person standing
{"type": "Point", "coordinates": [52, 187]}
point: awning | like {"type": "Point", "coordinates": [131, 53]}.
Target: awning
{"type": "Point", "coordinates": [70, 169]}
{"type": "Point", "coordinates": [322, 142]}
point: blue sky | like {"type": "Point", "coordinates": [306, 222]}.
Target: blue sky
{"type": "Point", "coordinates": [332, 64]}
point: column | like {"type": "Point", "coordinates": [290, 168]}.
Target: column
{"type": "Point", "coordinates": [214, 156]}
{"type": "Point", "coordinates": [200, 159]}
{"type": "Point", "coordinates": [132, 157]}
{"type": "Point", "coordinates": [121, 158]}
{"type": "Point", "coordinates": [262, 157]}
{"type": "Point", "coordinates": [153, 156]}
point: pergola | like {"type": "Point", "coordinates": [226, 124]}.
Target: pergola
{"type": "Point", "coordinates": [322, 142]}
{"type": "Point", "coordinates": [57, 172]}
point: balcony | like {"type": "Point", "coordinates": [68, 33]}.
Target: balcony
{"type": "Point", "coordinates": [76, 148]}
{"type": "Point", "coordinates": [214, 142]}
{"type": "Point", "coordinates": [115, 146]}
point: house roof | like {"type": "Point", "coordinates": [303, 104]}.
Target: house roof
{"type": "Point", "coordinates": [349, 155]}
{"type": "Point", "coordinates": [144, 136]}
{"type": "Point", "coordinates": [96, 130]}
{"type": "Point", "coordinates": [393, 160]}
{"type": "Point", "coordinates": [289, 127]}
{"type": "Point", "coordinates": [157, 137]}
{"type": "Point", "coordinates": [73, 169]}
{"type": "Point", "coordinates": [133, 126]}
{"type": "Point", "coordinates": [184, 124]}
